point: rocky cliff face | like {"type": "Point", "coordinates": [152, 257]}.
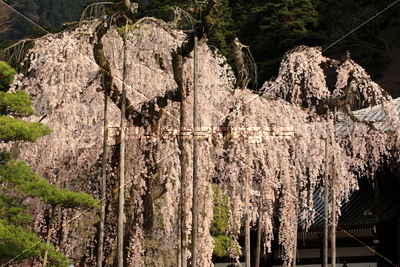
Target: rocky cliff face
{"type": "Point", "coordinates": [250, 142]}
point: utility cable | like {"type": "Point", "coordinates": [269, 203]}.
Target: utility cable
{"type": "Point", "coordinates": [129, 181]}
{"type": "Point", "coordinates": [359, 26]}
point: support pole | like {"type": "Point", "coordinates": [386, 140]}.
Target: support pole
{"type": "Point", "coordinates": [247, 237]}
{"type": "Point", "coordinates": [183, 159]}
{"type": "Point", "coordinates": [326, 197]}
{"type": "Point", "coordinates": [196, 125]}
{"type": "Point", "coordinates": [247, 196]}
{"type": "Point", "coordinates": [333, 199]}
{"type": "Point", "coordinates": [259, 231]}
{"type": "Point", "coordinates": [121, 196]}
{"type": "Point", "coordinates": [103, 184]}
{"type": "Point", "coordinates": [297, 194]}
{"type": "Point", "coordinates": [333, 227]}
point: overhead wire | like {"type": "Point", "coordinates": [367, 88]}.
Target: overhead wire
{"type": "Point", "coordinates": [257, 95]}
{"type": "Point", "coordinates": [359, 26]}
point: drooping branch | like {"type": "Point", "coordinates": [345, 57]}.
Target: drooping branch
{"type": "Point", "coordinates": [15, 54]}
{"type": "Point", "coordinates": [355, 119]}
{"type": "Point", "coordinates": [181, 17]}
{"type": "Point", "coordinates": [346, 102]}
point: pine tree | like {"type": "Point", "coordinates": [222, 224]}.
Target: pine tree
{"type": "Point", "coordinates": [17, 239]}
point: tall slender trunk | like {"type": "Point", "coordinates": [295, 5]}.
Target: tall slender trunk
{"type": "Point", "coordinates": [247, 196]}
{"type": "Point", "coordinates": [247, 255]}
{"type": "Point", "coordinates": [103, 185]}
{"type": "Point", "coordinates": [196, 125]}
{"type": "Point", "coordinates": [297, 194]}
{"type": "Point", "coordinates": [326, 197]}
{"type": "Point", "coordinates": [121, 196]}
{"type": "Point", "coordinates": [333, 199]}
{"type": "Point", "coordinates": [333, 227]}
{"type": "Point", "coordinates": [259, 231]}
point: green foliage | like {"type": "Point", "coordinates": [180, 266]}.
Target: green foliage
{"type": "Point", "coordinates": [48, 14]}
{"type": "Point", "coordinates": [271, 29]}
{"type": "Point", "coordinates": [19, 176]}
{"type": "Point", "coordinates": [6, 75]}
{"type": "Point", "coordinates": [219, 223]}
{"type": "Point", "coordinates": [121, 30]}
{"type": "Point", "coordinates": [294, 15]}
{"type": "Point", "coordinates": [16, 237]}
{"type": "Point", "coordinates": [161, 9]}
{"type": "Point", "coordinates": [14, 240]}
{"type": "Point", "coordinates": [16, 104]}
{"type": "Point", "coordinates": [24, 244]}
{"type": "Point", "coordinates": [12, 129]}
{"type": "Point", "coordinates": [14, 211]}
{"type": "Point", "coordinates": [224, 31]}
{"type": "Point", "coordinates": [18, 182]}
{"type": "Point", "coordinates": [223, 244]}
